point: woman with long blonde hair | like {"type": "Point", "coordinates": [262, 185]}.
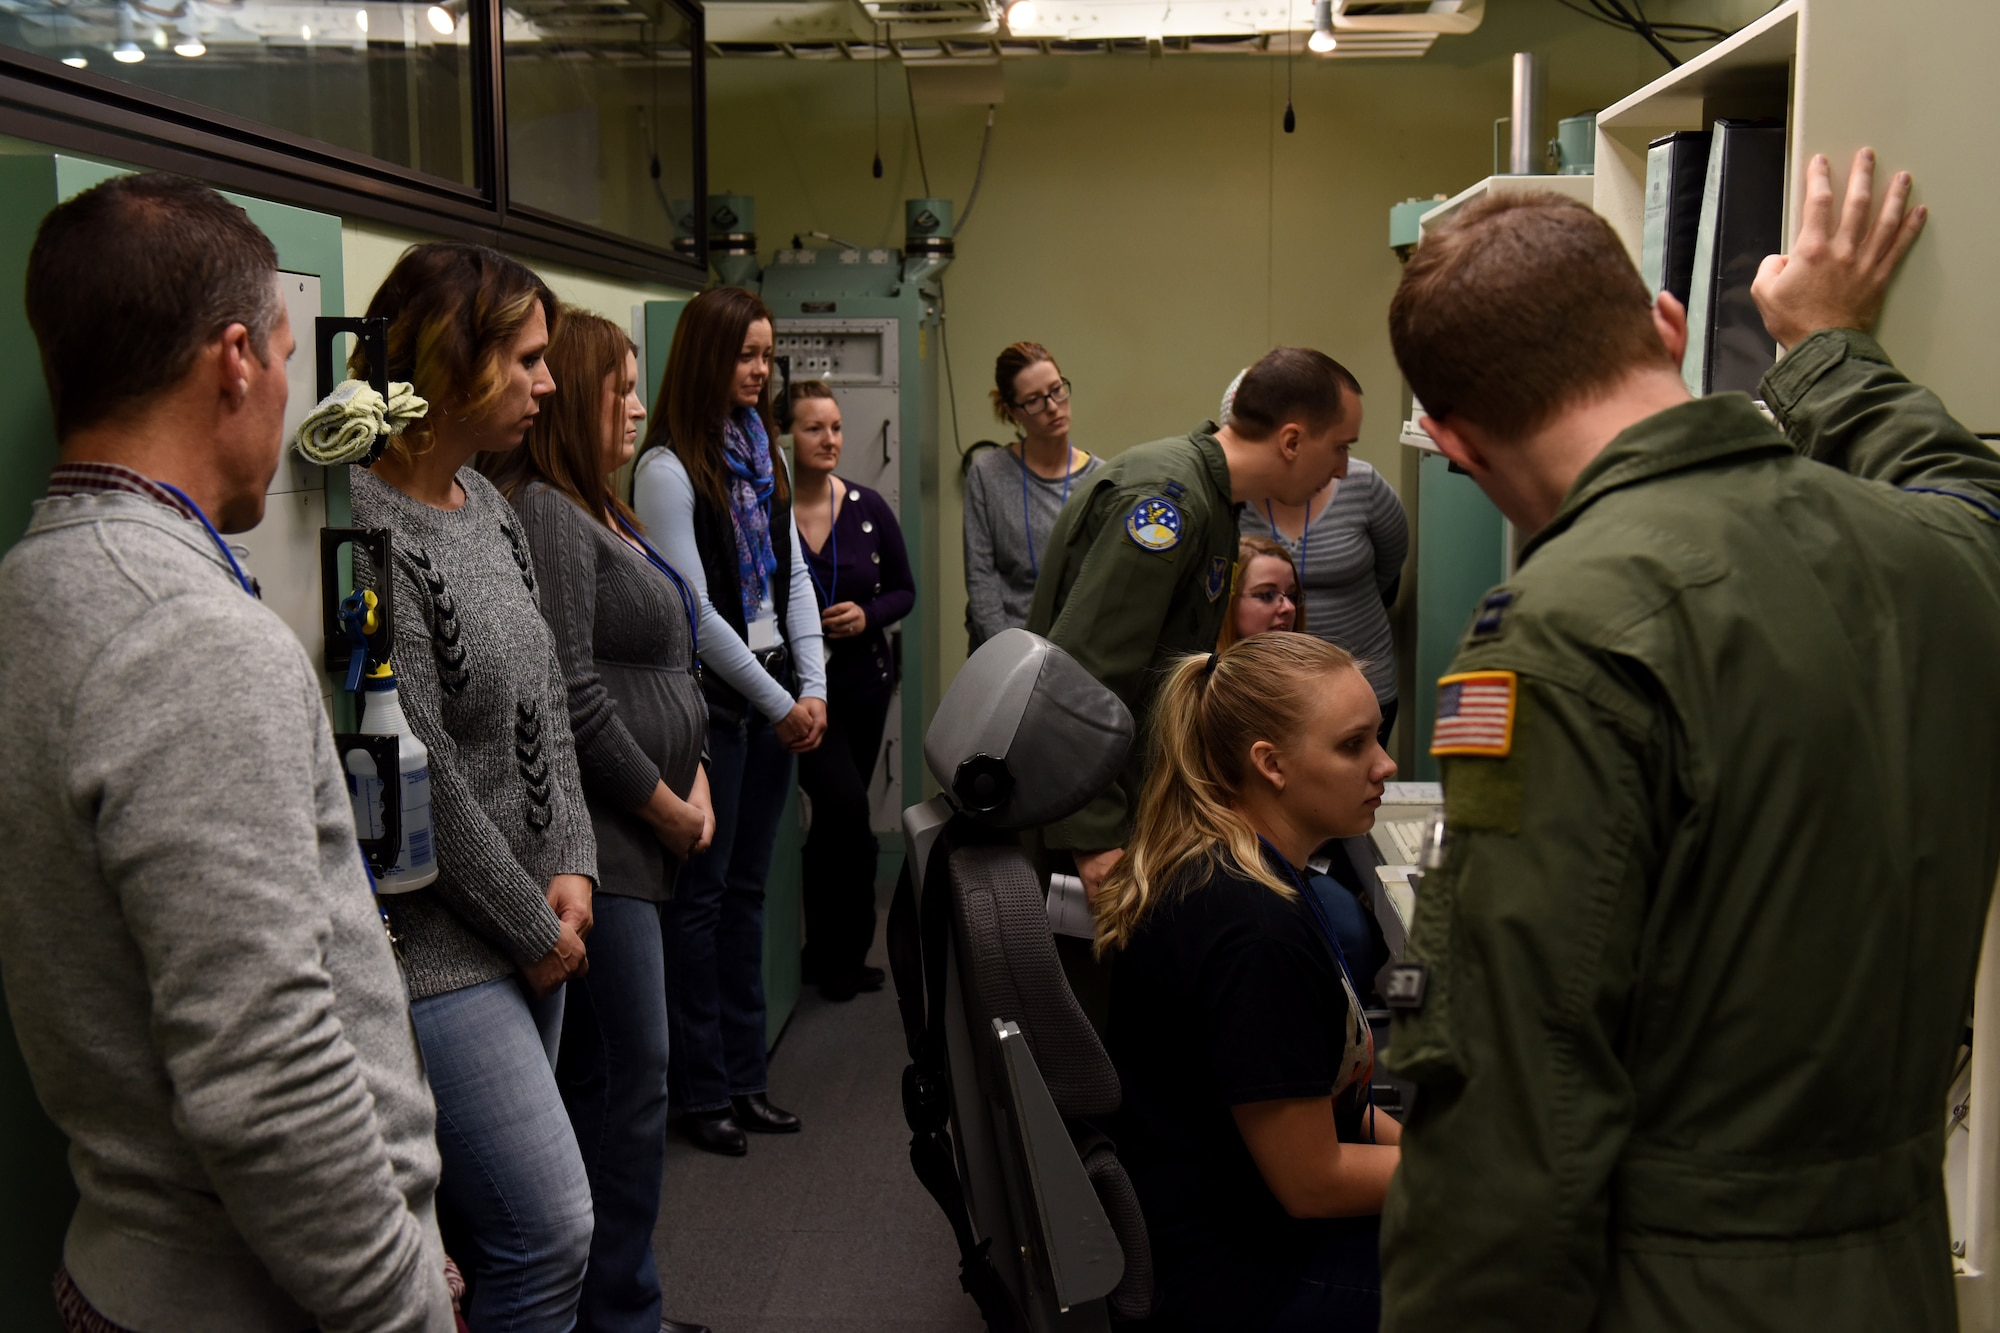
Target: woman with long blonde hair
{"type": "Point", "coordinates": [1236, 1028]}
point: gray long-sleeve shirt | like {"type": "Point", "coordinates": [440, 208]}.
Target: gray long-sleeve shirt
{"type": "Point", "coordinates": [480, 684]}
{"type": "Point", "coordinates": [1009, 513]}
{"type": "Point", "coordinates": [1351, 555]}
{"type": "Point", "coordinates": [195, 969]}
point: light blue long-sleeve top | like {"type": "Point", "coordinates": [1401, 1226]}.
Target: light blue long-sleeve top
{"type": "Point", "coordinates": [664, 498]}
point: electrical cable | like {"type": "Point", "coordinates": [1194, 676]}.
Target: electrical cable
{"type": "Point", "coordinates": [978, 175]}
{"type": "Point", "coordinates": [1291, 50]}
{"type": "Point", "coordinates": [877, 62]}
{"type": "Point", "coordinates": [950, 386]}
{"type": "Point", "coordinates": [915, 132]}
{"type": "Point", "coordinates": [1616, 14]}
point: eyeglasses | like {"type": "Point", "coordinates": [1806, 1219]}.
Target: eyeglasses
{"type": "Point", "coordinates": [1037, 403]}
{"type": "Point", "coordinates": [1270, 595]}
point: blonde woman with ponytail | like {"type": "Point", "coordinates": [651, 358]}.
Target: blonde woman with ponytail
{"type": "Point", "coordinates": [1260, 1165]}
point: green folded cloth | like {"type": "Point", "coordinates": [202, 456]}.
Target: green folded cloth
{"type": "Point", "coordinates": [342, 429]}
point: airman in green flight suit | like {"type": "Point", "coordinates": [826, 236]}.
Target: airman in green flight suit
{"type": "Point", "coordinates": [1139, 564]}
{"type": "Point", "coordinates": [1722, 801]}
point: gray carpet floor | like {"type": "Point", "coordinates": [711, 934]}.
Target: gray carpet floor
{"type": "Point", "coordinates": [826, 1230]}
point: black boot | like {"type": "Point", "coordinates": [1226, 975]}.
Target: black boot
{"type": "Point", "coordinates": [680, 1326]}
{"type": "Point", "coordinates": [716, 1132]}
{"type": "Point", "coordinates": [755, 1113]}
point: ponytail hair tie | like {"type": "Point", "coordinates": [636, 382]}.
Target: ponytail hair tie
{"type": "Point", "coordinates": [1209, 668]}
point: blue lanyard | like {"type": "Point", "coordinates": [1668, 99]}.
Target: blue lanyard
{"type": "Point", "coordinates": [659, 562]}
{"type": "Point", "coordinates": [213, 535]}
{"type": "Point", "coordinates": [832, 545]}
{"type": "Point", "coordinates": [1305, 536]}
{"type": "Point", "coordinates": [1318, 910]}
{"type": "Point", "coordinates": [1069, 471]}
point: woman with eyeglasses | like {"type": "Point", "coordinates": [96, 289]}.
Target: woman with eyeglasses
{"type": "Point", "coordinates": [1012, 495]}
{"type": "Point", "coordinates": [1266, 595]}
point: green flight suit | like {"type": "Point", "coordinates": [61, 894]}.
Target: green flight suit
{"type": "Point", "coordinates": [1701, 950]}
{"type": "Point", "coordinates": [1125, 594]}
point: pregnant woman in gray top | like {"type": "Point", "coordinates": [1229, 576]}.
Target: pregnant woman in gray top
{"type": "Point", "coordinates": [625, 633]}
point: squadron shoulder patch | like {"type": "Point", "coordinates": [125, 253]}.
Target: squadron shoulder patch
{"type": "Point", "coordinates": [1475, 714]}
{"type": "Point", "coordinates": [1154, 524]}
{"type": "Point", "coordinates": [1218, 576]}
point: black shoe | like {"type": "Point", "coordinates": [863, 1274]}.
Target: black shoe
{"type": "Point", "coordinates": [715, 1131]}
{"type": "Point", "coordinates": [679, 1326]}
{"type": "Point", "coordinates": [870, 979]}
{"type": "Point", "coordinates": [756, 1114]}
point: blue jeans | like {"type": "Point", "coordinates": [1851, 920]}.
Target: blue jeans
{"type": "Point", "coordinates": [513, 1197]}
{"type": "Point", "coordinates": [714, 926]}
{"type": "Point", "coordinates": [613, 1076]}
{"type": "Point", "coordinates": [1341, 1288]}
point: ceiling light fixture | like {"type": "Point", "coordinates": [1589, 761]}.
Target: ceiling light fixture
{"type": "Point", "coordinates": [1322, 39]}
{"type": "Point", "coordinates": [305, 31]}
{"type": "Point", "coordinates": [190, 45]}
{"type": "Point", "coordinates": [361, 19]}
{"type": "Point", "coordinates": [76, 61]}
{"type": "Point", "coordinates": [1020, 14]}
{"type": "Point", "coordinates": [127, 51]}
{"type": "Point", "coordinates": [444, 17]}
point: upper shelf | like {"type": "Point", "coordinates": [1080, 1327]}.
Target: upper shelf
{"type": "Point", "coordinates": [1576, 187]}
{"type": "Point", "coordinates": [1755, 61]}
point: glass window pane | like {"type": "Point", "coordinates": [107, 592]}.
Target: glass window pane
{"type": "Point", "coordinates": [598, 92]}
{"type": "Point", "coordinates": [391, 81]}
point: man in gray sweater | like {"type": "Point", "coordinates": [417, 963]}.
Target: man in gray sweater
{"type": "Point", "coordinates": [199, 978]}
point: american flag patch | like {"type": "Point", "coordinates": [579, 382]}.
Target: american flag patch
{"type": "Point", "coordinates": [1475, 714]}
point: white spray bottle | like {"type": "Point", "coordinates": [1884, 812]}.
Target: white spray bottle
{"type": "Point", "coordinates": [416, 859]}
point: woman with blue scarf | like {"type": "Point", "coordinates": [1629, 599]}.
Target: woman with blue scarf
{"type": "Point", "coordinates": [715, 498]}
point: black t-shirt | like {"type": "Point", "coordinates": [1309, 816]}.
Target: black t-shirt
{"type": "Point", "coordinates": [1227, 994]}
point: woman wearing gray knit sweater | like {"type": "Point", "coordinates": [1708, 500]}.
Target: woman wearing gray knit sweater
{"type": "Point", "coordinates": [624, 625]}
{"type": "Point", "coordinates": [489, 944]}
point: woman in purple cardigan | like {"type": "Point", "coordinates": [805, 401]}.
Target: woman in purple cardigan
{"type": "Point", "coordinates": [854, 551]}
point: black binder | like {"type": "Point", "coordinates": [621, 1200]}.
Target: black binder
{"type": "Point", "coordinates": [1742, 217]}
{"type": "Point", "coordinates": [1676, 172]}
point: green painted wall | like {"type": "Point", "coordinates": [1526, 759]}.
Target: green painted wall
{"type": "Point", "coordinates": [1148, 220]}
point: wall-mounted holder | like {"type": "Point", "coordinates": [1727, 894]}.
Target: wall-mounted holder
{"type": "Point", "coordinates": [360, 626]}
{"type": "Point", "coordinates": [373, 335]}
{"type": "Point", "coordinates": [347, 654]}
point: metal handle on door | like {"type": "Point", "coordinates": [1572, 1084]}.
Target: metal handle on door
{"type": "Point", "coordinates": [885, 442]}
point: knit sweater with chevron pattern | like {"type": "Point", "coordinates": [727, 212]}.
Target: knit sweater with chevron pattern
{"type": "Point", "coordinates": [481, 686]}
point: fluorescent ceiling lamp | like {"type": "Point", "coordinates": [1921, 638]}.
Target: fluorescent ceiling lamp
{"type": "Point", "coordinates": [1322, 39]}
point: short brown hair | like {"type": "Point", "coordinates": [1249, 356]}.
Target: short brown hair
{"type": "Point", "coordinates": [565, 444]}
{"type": "Point", "coordinates": [694, 401]}
{"type": "Point", "coordinates": [1290, 384]}
{"type": "Point", "coordinates": [803, 389]}
{"type": "Point", "coordinates": [1519, 307]}
{"type": "Point", "coordinates": [1007, 367]}
{"type": "Point", "coordinates": [128, 281]}
{"type": "Point", "coordinates": [454, 311]}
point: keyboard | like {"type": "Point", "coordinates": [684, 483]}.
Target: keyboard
{"type": "Point", "coordinates": [1407, 836]}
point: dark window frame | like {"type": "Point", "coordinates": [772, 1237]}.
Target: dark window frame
{"type": "Point", "coordinates": [75, 110]}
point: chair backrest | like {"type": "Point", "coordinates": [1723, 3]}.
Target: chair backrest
{"type": "Point", "coordinates": [1024, 737]}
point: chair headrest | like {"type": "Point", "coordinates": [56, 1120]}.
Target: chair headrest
{"type": "Point", "coordinates": [1025, 736]}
